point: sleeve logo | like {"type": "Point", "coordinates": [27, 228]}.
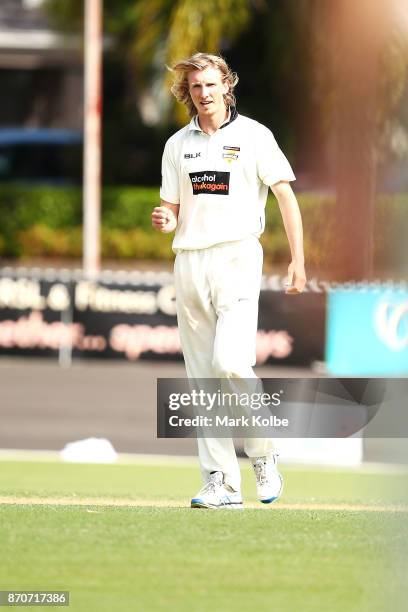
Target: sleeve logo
{"type": "Point", "coordinates": [210, 181]}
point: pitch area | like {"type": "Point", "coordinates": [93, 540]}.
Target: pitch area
{"type": "Point", "coordinates": [121, 537]}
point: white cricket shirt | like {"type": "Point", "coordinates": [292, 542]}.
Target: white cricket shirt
{"type": "Point", "coordinates": [221, 180]}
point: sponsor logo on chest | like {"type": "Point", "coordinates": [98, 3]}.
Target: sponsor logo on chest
{"type": "Point", "coordinates": [210, 181]}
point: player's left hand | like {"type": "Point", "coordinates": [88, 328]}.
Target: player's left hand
{"type": "Point", "coordinates": [296, 277]}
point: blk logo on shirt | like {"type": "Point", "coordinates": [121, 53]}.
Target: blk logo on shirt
{"type": "Point", "coordinates": [210, 181]}
{"type": "Point", "coordinates": [192, 155]}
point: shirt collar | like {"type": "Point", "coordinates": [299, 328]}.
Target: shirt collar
{"type": "Point", "coordinates": [232, 114]}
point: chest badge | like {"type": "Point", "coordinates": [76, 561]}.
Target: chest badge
{"type": "Point", "coordinates": [230, 153]}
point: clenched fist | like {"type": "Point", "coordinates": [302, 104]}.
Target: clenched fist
{"type": "Point", "coordinates": [163, 219]}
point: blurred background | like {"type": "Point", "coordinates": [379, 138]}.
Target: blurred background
{"type": "Point", "coordinates": [80, 352]}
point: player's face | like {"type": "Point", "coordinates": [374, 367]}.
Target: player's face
{"type": "Point", "coordinates": [207, 90]}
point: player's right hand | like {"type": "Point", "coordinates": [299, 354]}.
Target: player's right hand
{"type": "Point", "coordinates": [163, 219]}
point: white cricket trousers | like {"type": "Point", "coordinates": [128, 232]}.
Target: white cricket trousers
{"type": "Point", "coordinates": [217, 294]}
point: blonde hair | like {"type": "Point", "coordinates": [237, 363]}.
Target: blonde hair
{"type": "Point", "coordinates": [200, 61]}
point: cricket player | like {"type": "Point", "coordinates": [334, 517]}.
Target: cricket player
{"type": "Point", "coordinates": [216, 172]}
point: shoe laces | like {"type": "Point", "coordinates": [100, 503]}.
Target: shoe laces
{"type": "Point", "coordinates": [213, 483]}
{"type": "Point", "coordinates": [261, 465]}
{"type": "Point", "coordinates": [260, 470]}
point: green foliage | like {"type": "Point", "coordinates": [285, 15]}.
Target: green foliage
{"type": "Point", "coordinates": [119, 16]}
{"type": "Point", "coordinates": [136, 244]}
{"type": "Point", "coordinates": [47, 222]}
{"type": "Point", "coordinates": [66, 14]}
{"type": "Point", "coordinates": [151, 34]}
{"type": "Point", "coordinates": [128, 207]}
{"type": "Point", "coordinates": [44, 241]}
{"type": "Point", "coordinates": [318, 214]}
{"type": "Point", "coordinates": [22, 209]}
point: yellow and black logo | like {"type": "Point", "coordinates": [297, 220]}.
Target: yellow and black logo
{"type": "Point", "coordinates": [230, 153]}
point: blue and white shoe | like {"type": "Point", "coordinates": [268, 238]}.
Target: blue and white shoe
{"type": "Point", "coordinates": [269, 483]}
{"type": "Point", "coordinates": [216, 494]}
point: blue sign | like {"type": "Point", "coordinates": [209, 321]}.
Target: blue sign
{"type": "Point", "coordinates": [367, 331]}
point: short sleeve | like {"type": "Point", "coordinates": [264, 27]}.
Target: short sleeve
{"type": "Point", "coordinates": [272, 164]}
{"type": "Point", "coordinates": [170, 188]}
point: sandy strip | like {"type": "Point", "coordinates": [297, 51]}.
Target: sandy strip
{"type": "Point", "coordinates": [163, 503]}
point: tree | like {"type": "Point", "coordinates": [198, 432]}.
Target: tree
{"type": "Point", "coordinates": [155, 33]}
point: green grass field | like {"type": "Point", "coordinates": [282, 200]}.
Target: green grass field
{"type": "Point", "coordinates": [335, 542]}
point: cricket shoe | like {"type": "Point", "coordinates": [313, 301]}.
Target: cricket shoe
{"type": "Point", "coordinates": [217, 494]}
{"type": "Point", "coordinates": [269, 482]}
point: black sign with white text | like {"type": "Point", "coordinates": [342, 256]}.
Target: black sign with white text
{"type": "Point", "coordinates": [120, 317]}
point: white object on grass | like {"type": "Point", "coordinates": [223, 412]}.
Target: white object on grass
{"type": "Point", "coordinates": [90, 450]}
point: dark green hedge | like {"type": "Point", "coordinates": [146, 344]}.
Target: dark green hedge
{"type": "Point", "coordinates": [47, 222]}
{"type": "Point", "coordinates": [28, 215]}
